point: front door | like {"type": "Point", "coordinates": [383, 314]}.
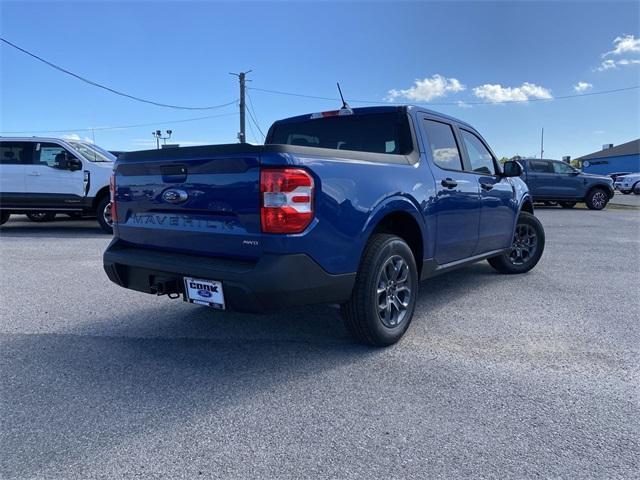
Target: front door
{"type": "Point", "coordinates": [497, 195]}
{"type": "Point", "coordinates": [457, 200]}
{"type": "Point", "coordinates": [49, 180]}
{"type": "Point", "coordinates": [568, 182]}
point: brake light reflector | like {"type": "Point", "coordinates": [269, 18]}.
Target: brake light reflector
{"type": "Point", "coordinates": [112, 197]}
{"type": "Point", "coordinates": [286, 200]}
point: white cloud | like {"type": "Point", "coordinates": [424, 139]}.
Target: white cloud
{"type": "Point", "coordinates": [462, 104]}
{"type": "Point", "coordinates": [498, 93]}
{"type": "Point", "coordinates": [427, 89]}
{"type": "Point", "coordinates": [611, 64]}
{"type": "Point", "coordinates": [625, 44]}
{"type": "Point", "coordinates": [582, 87]}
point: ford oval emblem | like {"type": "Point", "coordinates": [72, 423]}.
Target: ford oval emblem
{"type": "Point", "coordinates": [175, 196]}
{"type": "Point", "coordinates": [205, 293]}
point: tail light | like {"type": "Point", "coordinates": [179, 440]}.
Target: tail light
{"type": "Point", "coordinates": [287, 200]}
{"type": "Point", "coordinates": [112, 195]}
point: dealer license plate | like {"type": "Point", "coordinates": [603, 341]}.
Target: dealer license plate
{"type": "Point", "coordinates": [204, 292]}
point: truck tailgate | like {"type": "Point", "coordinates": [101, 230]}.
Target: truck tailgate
{"type": "Point", "coordinates": [200, 200]}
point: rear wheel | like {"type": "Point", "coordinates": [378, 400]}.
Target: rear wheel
{"type": "Point", "coordinates": [103, 212]}
{"type": "Point", "coordinates": [41, 216]}
{"type": "Point", "coordinates": [568, 204]}
{"type": "Point", "coordinates": [526, 249]}
{"type": "Point", "coordinates": [384, 296]}
{"type": "Point", "coordinates": [636, 188]}
{"type": "Point", "coordinates": [597, 199]}
{"type": "Point", "coordinates": [4, 216]}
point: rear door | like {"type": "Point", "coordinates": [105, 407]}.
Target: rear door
{"type": "Point", "coordinates": [15, 157]}
{"type": "Point", "coordinates": [457, 201]}
{"type": "Point", "coordinates": [49, 181]}
{"type": "Point", "coordinates": [498, 209]}
{"type": "Point", "coordinates": [541, 179]}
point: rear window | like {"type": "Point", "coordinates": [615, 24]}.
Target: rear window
{"type": "Point", "coordinates": [376, 133]}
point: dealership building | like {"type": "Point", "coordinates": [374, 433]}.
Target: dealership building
{"type": "Point", "coordinates": [621, 158]}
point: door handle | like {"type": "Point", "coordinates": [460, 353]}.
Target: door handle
{"type": "Point", "coordinates": [486, 186]}
{"type": "Point", "coordinates": [449, 183]}
{"type": "Point", "coordinates": [34, 174]}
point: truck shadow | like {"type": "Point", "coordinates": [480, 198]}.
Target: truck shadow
{"type": "Point", "coordinates": [72, 398]}
{"type": "Point", "coordinates": [59, 227]}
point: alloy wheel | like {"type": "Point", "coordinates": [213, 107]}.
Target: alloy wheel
{"type": "Point", "coordinates": [393, 292]}
{"type": "Point", "coordinates": [525, 243]}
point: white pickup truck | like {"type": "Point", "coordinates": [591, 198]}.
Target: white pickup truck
{"type": "Point", "coordinates": [44, 176]}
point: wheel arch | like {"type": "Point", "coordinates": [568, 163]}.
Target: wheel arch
{"type": "Point", "coordinates": [600, 186]}
{"type": "Point", "coordinates": [100, 194]}
{"type": "Point", "coordinates": [401, 217]}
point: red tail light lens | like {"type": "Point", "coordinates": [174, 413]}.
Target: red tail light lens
{"type": "Point", "coordinates": [112, 194]}
{"type": "Point", "coordinates": [286, 200]}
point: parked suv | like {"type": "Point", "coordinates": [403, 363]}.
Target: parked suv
{"type": "Point", "coordinates": [43, 176]}
{"type": "Point", "coordinates": [556, 181]}
{"type": "Point", "coordinates": [352, 207]}
{"type": "Point", "coordinates": [629, 183]}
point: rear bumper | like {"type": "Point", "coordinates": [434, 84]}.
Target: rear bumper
{"type": "Point", "coordinates": [274, 282]}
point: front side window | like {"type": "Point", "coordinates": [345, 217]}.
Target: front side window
{"type": "Point", "coordinates": [444, 148]}
{"type": "Point", "coordinates": [540, 166]}
{"type": "Point", "coordinates": [15, 153]}
{"type": "Point", "coordinates": [51, 155]}
{"type": "Point", "coordinates": [559, 167]}
{"type": "Point", "coordinates": [480, 157]}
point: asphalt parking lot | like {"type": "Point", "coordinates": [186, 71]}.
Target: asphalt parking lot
{"type": "Point", "coordinates": [499, 376]}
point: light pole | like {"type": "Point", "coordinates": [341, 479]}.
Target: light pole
{"type": "Point", "coordinates": [158, 135]}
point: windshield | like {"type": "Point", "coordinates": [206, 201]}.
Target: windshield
{"type": "Point", "coordinates": [93, 153]}
{"type": "Point", "coordinates": [378, 133]}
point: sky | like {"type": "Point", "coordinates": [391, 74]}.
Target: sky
{"type": "Point", "coordinates": [458, 57]}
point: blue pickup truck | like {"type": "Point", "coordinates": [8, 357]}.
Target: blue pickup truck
{"type": "Point", "coordinates": [352, 207]}
{"type": "Point", "coordinates": [556, 181]}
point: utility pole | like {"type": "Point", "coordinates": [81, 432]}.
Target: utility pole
{"type": "Point", "coordinates": [542, 144]}
{"type": "Point", "coordinates": [242, 137]}
{"type": "Point", "coordinates": [158, 135]}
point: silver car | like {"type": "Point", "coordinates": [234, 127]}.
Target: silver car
{"type": "Point", "coordinates": [628, 184]}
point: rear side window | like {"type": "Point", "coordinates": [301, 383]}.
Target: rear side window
{"type": "Point", "coordinates": [480, 157]}
{"type": "Point", "coordinates": [540, 166]}
{"type": "Point", "coordinates": [444, 148]}
{"type": "Point", "coordinates": [15, 153]}
{"type": "Point", "coordinates": [375, 133]}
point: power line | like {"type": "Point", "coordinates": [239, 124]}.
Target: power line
{"type": "Point", "coordinates": [109, 89]}
{"type": "Point", "coordinates": [378, 102]}
{"type": "Point", "coordinates": [122, 127]}
{"type": "Point", "coordinates": [254, 116]}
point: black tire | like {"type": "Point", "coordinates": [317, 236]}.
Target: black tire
{"type": "Point", "coordinates": [568, 204]}
{"type": "Point", "coordinates": [636, 188]}
{"type": "Point", "coordinates": [597, 199]}
{"type": "Point", "coordinates": [104, 215]}
{"type": "Point", "coordinates": [515, 260]}
{"type": "Point", "coordinates": [4, 217]}
{"type": "Point", "coordinates": [385, 256]}
{"type": "Point", "coordinates": [41, 217]}
{"type": "Point", "coordinates": [625, 192]}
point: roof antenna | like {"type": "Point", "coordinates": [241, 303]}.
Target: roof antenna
{"type": "Point", "coordinates": [345, 105]}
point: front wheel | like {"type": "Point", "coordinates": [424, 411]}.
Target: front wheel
{"type": "Point", "coordinates": [597, 199]}
{"type": "Point", "coordinates": [526, 249]}
{"type": "Point", "coordinates": [103, 212]}
{"type": "Point", "coordinates": [384, 295]}
{"type": "Point", "coordinates": [568, 204]}
{"type": "Point", "coordinates": [41, 216]}
{"type": "Point", "coordinates": [636, 188]}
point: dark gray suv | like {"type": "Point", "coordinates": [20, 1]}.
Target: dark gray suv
{"type": "Point", "coordinates": [556, 181]}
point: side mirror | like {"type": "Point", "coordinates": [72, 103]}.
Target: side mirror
{"type": "Point", "coordinates": [511, 168]}
{"type": "Point", "coordinates": [74, 164]}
